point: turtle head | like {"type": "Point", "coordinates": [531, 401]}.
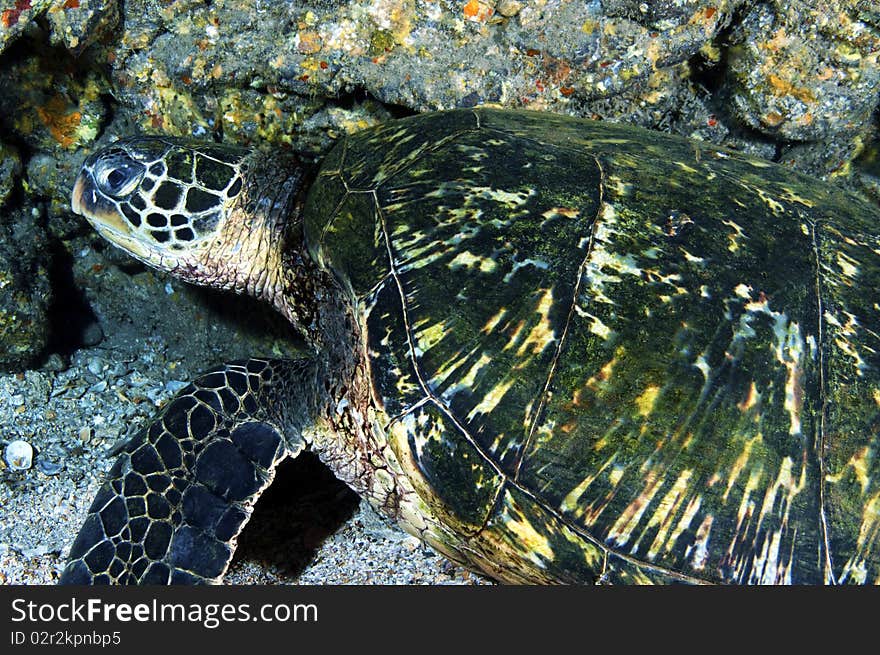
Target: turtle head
{"type": "Point", "coordinates": [210, 214]}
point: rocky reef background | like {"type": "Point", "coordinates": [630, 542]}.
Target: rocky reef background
{"type": "Point", "coordinates": [797, 82]}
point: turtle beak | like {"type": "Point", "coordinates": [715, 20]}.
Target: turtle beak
{"type": "Point", "coordinates": [86, 201]}
{"type": "Point", "coordinates": [76, 198]}
{"type": "Point", "coordinates": [98, 210]}
{"type": "Point", "coordinates": [104, 216]}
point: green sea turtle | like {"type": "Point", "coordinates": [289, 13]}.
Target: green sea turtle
{"type": "Point", "coordinates": [556, 350]}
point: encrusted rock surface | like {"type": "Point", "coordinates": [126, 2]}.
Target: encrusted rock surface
{"type": "Point", "coordinates": [813, 78]}
{"type": "Point", "coordinates": [10, 167]}
{"type": "Point", "coordinates": [76, 24]}
{"type": "Point", "coordinates": [16, 17]}
{"type": "Point", "coordinates": [25, 292]}
{"type": "Point", "coordinates": [54, 109]}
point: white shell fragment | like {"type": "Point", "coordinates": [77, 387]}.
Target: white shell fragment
{"type": "Point", "coordinates": [19, 455]}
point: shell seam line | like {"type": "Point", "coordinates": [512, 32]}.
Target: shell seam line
{"type": "Point", "coordinates": [375, 290]}
{"type": "Point", "coordinates": [595, 541]}
{"type": "Point", "coordinates": [409, 410]}
{"type": "Point", "coordinates": [823, 410]}
{"type": "Point", "coordinates": [332, 174]}
{"type": "Point", "coordinates": [505, 478]}
{"type": "Point", "coordinates": [340, 173]}
{"type": "Point", "coordinates": [412, 354]}
{"type": "Point", "coordinates": [562, 337]}
{"type": "Point", "coordinates": [429, 396]}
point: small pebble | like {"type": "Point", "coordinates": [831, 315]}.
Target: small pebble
{"type": "Point", "coordinates": [54, 362]}
{"type": "Point", "coordinates": [33, 551]}
{"type": "Point", "coordinates": [136, 379]}
{"type": "Point", "coordinates": [96, 366]}
{"type": "Point", "coordinates": [48, 468]}
{"type": "Point", "coordinates": [156, 395]}
{"type": "Point", "coordinates": [16, 400]}
{"type": "Point", "coordinates": [120, 369]}
{"type": "Point", "coordinates": [19, 455]}
{"type": "Point", "coordinates": [508, 8]}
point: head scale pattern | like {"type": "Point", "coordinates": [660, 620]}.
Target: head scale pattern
{"type": "Point", "coordinates": [171, 192]}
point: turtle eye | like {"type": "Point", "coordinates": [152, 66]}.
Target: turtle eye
{"type": "Point", "coordinates": [118, 175]}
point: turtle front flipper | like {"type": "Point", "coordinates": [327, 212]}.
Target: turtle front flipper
{"type": "Point", "coordinates": [183, 488]}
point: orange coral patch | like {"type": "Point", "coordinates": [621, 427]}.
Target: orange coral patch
{"type": "Point", "coordinates": [786, 88]}
{"type": "Point", "coordinates": [62, 124]}
{"type": "Point", "coordinates": [10, 16]}
{"type": "Point", "coordinates": [476, 10]}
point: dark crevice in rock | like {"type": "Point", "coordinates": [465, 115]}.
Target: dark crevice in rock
{"type": "Point", "coordinates": [73, 323]}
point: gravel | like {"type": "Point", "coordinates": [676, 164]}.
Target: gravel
{"type": "Point", "coordinates": [309, 528]}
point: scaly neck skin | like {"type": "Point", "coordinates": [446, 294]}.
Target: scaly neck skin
{"type": "Point", "coordinates": [247, 255]}
{"type": "Point", "coordinates": [332, 410]}
{"type": "Point", "coordinates": [285, 274]}
{"type": "Point", "coordinates": [269, 260]}
{"type": "Point", "coordinates": [272, 262]}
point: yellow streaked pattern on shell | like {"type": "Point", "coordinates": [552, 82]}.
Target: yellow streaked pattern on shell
{"type": "Point", "coordinates": [856, 568]}
{"type": "Point", "coordinates": [535, 545]}
{"type": "Point", "coordinates": [491, 399]}
{"type": "Point", "coordinates": [851, 317]}
{"type": "Point", "coordinates": [543, 334]}
{"type": "Point", "coordinates": [710, 497]}
{"type": "Point", "coordinates": [668, 529]}
{"type": "Point", "coordinates": [663, 394]}
{"type": "Point", "coordinates": [735, 237]}
{"type": "Point", "coordinates": [468, 260]}
{"type": "Point", "coordinates": [645, 401]}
